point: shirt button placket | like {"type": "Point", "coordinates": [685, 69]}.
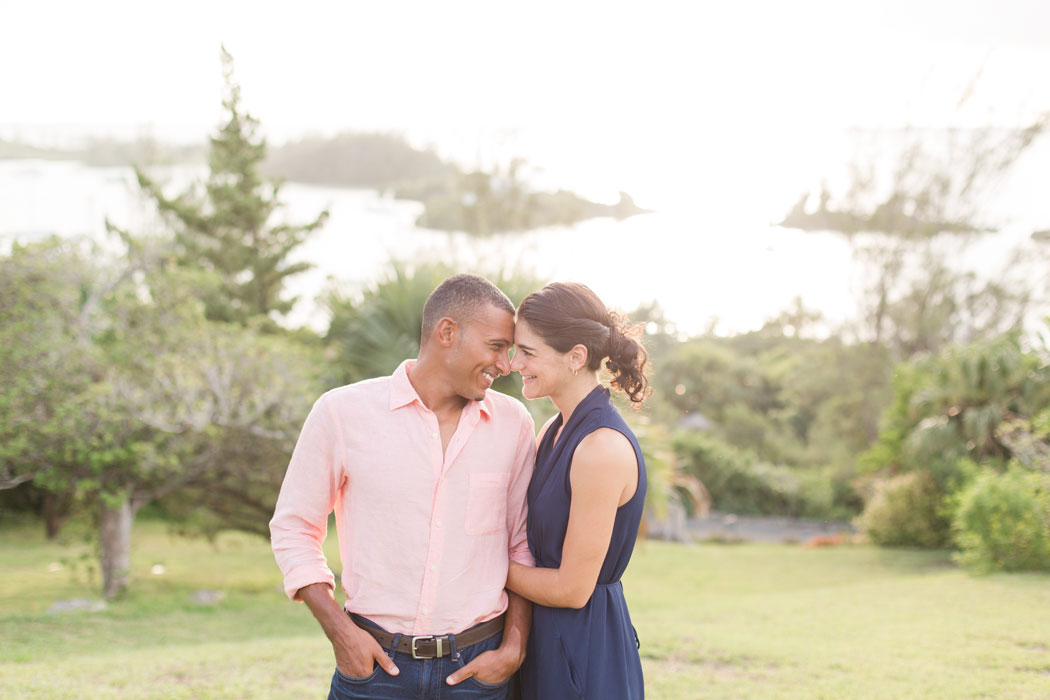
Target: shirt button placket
{"type": "Point", "coordinates": [431, 573]}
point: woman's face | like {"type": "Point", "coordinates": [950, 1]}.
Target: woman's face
{"type": "Point", "coordinates": [543, 369]}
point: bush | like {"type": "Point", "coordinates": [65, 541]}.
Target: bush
{"type": "Point", "coordinates": [906, 511]}
{"type": "Point", "coordinates": [739, 482]}
{"type": "Point", "coordinates": [828, 494]}
{"type": "Point", "coordinates": [1002, 522]}
{"type": "Point", "coordinates": [734, 478]}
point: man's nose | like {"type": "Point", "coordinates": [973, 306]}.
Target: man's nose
{"type": "Point", "coordinates": [503, 365]}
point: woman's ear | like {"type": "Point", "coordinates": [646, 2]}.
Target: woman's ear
{"type": "Point", "coordinates": [578, 357]}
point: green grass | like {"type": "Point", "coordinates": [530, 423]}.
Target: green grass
{"type": "Point", "coordinates": [716, 621]}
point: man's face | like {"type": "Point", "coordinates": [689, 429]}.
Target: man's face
{"type": "Point", "coordinates": [481, 352]}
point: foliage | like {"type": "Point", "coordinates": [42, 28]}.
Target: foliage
{"type": "Point", "coordinates": [121, 391]}
{"type": "Point", "coordinates": [952, 405]}
{"type": "Point", "coordinates": [803, 408]}
{"type": "Point", "coordinates": [227, 228]}
{"type": "Point", "coordinates": [907, 510]}
{"type": "Point", "coordinates": [1002, 521]}
{"type": "Point", "coordinates": [917, 298]}
{"type": "Point", "coordinates": [46, 367]}
{"type": "Point", "coordinates": [672, 493]}
{"type": "Point", "coordinates": [739, 482]}
{"type": "Point", "coordinates": [947, 415]}
{"type": "Point", "coordinates": [792, 400]}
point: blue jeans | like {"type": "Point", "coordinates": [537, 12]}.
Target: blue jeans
{"type": "Point", "coordinates": [422, 679]}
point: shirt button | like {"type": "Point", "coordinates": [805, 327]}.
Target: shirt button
{"type": "Point", "coordinates": [439, 523]}
{"type": "Point", "coordinates": [426, 611]}
{"type": "Point", "coordinates": [433, 435]}
{"type": "Point", "coordinates": [433, 568]}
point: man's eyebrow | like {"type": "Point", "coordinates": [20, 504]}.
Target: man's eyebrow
{"type": "Point", "coordinates": [501, 341]}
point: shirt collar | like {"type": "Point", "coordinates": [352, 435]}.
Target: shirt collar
{"type": "Point", "coordinates": [402, 393]}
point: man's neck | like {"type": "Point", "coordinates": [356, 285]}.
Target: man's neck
{"type": "Point", "coordinates": [433, 389]}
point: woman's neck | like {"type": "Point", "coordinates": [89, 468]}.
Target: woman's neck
{"type": "Point", "coordinates": [573, 393]}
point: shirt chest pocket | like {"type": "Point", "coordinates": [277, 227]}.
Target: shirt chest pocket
{"type": "Point", "coordinates": [486, 503]}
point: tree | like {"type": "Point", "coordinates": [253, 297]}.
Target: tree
{"type": "Point", "coordinates": [120, 391]}
{"type": "Point", "coordinates": [951, 419]}
{"type": "Point", "coordinates": [228, 228]}
{"type": "Point", "coordinates": [910, 216]}
{"type": "Point", "coordinates": [188, 402]}
{"type": "Point", "coordinates": [46, 364]}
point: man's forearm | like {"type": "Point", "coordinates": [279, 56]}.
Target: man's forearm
{"type": "Point", "coordinates": [517, 625]}
{"type": "Point", "coordinates": [333, 619]}
{"type": "Point", "coordinates": [355, 650]}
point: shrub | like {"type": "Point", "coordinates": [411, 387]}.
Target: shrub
{"type": "Point", "coordinates": [737, 482]}
{"type": "Point", "coordinates": [1002, 522]}
{"type": "Point", "coordinates": [828, 494]}
{"type": "Point", "coordinates": [906, 511]}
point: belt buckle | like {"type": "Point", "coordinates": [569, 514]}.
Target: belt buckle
{"type": "Point", "coordinates": [427, 638]}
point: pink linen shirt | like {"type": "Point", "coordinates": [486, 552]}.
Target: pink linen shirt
{"type": "Point", "coordinates": [425, 538]}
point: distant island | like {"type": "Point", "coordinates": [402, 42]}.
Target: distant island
{"type": "Point", "coordinates": [477, 202]}
{"type": "Point", "coordinates": [893, 216]}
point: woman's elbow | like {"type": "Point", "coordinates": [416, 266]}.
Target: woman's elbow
{"type": "Point", "coordinates": [577, 597]}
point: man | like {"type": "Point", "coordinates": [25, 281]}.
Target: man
{"type": "Point", "coordinates": [427, 472]}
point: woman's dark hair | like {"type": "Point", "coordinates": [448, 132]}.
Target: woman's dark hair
{"type": "Point", "coordinates": [566, 314]}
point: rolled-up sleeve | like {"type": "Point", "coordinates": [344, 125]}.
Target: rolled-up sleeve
{"type": "Point", "coordinates": [517, 505]}
{"type": "Point", "coordinates": [308, 494]}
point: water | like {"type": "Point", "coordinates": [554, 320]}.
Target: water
{"type": "Point", "coordinates": [710, 256]}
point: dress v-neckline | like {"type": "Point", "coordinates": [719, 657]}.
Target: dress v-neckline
{"type": "Point", "coordinates": [566, 428]}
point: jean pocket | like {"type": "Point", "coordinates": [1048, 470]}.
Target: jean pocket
{"type": "Point", "coordinates": [486, 503]}
{"type": "Point", "coordinates": [355, 679]}
{"type": "Point", "coordinates": [490, 686]}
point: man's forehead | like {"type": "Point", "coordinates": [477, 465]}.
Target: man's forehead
{"type": "Point", "coordinates": [493, 321]}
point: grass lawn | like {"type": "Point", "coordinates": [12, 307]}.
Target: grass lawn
{"type": "Point", "coordinates": [716, 621]}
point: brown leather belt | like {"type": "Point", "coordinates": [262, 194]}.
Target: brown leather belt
{"type": "Point", "coordinates": [432, 646]}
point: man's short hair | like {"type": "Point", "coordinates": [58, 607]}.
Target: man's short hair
{"type": "Point", "coordinates": [460, 297]}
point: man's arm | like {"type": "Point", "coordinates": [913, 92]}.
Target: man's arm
{"type": "Point", "coordinates": [516, 629]}
{"type": "Point", "coordinates": [298, 529]}
{"type": "Point", "coordinates": [300, 519]}
{"type": "Point", "coordinates": [355, 650]}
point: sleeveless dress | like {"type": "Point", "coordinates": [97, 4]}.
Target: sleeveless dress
{"type": "Point", "coordinates": [591, 652]}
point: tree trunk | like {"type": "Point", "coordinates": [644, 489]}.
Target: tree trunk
{"type": "Point", "coordinates": [56, 512]}
{"type": "Point", "coordinates": [115, 533]}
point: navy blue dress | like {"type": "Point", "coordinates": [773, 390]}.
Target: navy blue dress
{"type": "Point", "coordinates": [591, 652]}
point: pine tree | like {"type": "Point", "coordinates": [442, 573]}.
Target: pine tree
{"type": "Point", "coordinates": [227, 228]}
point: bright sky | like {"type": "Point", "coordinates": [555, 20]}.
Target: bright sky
{"type": "Point", "coordinates": [718, 114]}
{"type": "Point", "coordinates": [602, 95]}
{"type": "Point", "coordinates": [578, 65]}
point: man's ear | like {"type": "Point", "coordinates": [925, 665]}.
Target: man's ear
{"type": "Point", "coordinates": [445, 332]}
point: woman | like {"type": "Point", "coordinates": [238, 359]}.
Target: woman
{"type": "Point", "coordinates": [585, 498]}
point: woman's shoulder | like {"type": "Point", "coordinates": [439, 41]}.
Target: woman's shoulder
{"type": "Point", "coordinates": [606, 442]}
{"type": "Point", "coordinates": [604, 455]}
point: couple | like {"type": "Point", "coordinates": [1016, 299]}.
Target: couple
{"type": "Point", "coordinates": [431, 476]}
